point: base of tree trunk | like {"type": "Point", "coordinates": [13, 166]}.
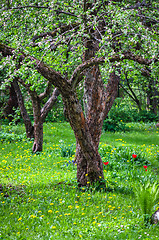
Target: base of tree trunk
{"type": "Point", "coordinates": [38, 137]}
{"type": "Point", "coordinates": [37, 147]}
{"type": "Point", "coordinates": [89, 174]}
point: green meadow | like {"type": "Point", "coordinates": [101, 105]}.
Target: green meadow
{"type": "Point", "coordinates": [39, 196]}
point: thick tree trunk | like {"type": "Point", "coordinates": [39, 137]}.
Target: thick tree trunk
{"type": "Point", "coordinates": [93, 162]}
{"type": "Point", "coordinates": [99, 103]}
{"type": "Point", "coordinates": [28, 125]}
{"type": "Point", "coordinates": [94, 111]}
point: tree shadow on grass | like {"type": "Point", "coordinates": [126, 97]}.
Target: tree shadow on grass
{"type": "Point", "coordinates": [51, 188]}
{"type": "Point", "coordinates": [120, 189]}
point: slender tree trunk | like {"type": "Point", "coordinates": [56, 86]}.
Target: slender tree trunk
{"type": "Point", "coordinates": [39, 117]}
{"type": "Point", "coordinates": [28, 125]}
{"type": "Point", "coordinates": [38, 123]}
{"type": "Point", "coordinates": [12, 103]}
{"type": "Point", "coordinates": [152, 95]}
{"type": "Point", "coordinates": [38, 137]}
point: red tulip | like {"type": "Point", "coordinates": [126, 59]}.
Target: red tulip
{"type": "Point", "coordinates": [145, 167]}
{"type": "Point", "coordinates": [105, 163]}
{"type": "Point", "coordinates": [134, 155]}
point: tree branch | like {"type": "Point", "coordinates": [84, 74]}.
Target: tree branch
{"type": "Point", "coordinates": [61, 82]}
{"type": "Point", "coordinates": [126, 91]}
{"type": "Point", "coordinates": [77, 73]}
{"type": "Point", "coordinates": [58, 11]}
{"type": "Point", "coordinates": [152, 19]}
{"type": "Point", "coordinates": [131, 56]}
{"type": "Point", "coordinates": [46, 92]}
{"type": "Point", "coordinates": [74, 80]}
{"type": "Point", "coordinates": [62, 29]}
{"type": "Point", "coordinates": [49, 104]}
{"type": "Point", "coordinates": [25, 116]}
{"type": "Point", "coordinates": [51, 75]}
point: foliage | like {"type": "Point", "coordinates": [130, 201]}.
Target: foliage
{"type": "Point", "coordinates": [11, 133]}
{"type": "Point", "coordinates": [67, 150]}
{"type": "Point", "coordinates": [114, 125]}
{"type": "Point", "coordinates": [33, 27]}
{"type": "Point", "coordinates": [145, 116]}
{"type": "Point", "coordinates": [122, 112]}
{"type": "Point", "coordinates": [147, 196]}
{"type": "Point", "coordinates": [121, 157]}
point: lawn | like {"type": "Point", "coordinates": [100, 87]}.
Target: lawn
{"type": "Point", "coordinates": [39, 198]}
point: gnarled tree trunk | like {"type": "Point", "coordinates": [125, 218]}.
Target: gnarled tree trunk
{"type": "Point", "coordinates": [89, 156]}
{"type": "Point", "coordinates": [99, 103]}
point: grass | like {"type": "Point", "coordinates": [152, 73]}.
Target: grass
{"type": "Point", "coordinates": [40, 198]}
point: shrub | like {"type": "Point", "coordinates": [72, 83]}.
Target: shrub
{"type": "Point", "coordinates": [122, 113]}
{"type": "Point", "coordinates": [67, 151]}
{"type": "Point", "coordinates": [113, 125]}
{"type": "Point", "coordinates": [145, 116]}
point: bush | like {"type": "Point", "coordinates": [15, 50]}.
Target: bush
{"type": "Point", "coordinates": [122, 113]}
{"type": "Point", "coordinates": [145, 116]}
{"type": "Point", "coordinates": [113, 125]}
{"type": "Point", "coordinates": [11, 133]}
{"type": "Point", "coordinates": [67, 151]}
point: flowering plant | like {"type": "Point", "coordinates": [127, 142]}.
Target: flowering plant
{"type": "Point", "coordinates": [106, 163]}
{"type": "Point", "coordinates": [145, 167]}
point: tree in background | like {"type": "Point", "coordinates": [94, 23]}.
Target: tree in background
{"type": "Point", "coordinates": [39, 113]}
{"type": "Point", "coordinates": [69, 43]}
{"type": "Point", "coordinates": [16, 99]}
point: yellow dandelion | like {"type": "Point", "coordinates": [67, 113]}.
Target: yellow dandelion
{"type": "Point", "coordinates": [49, 211]}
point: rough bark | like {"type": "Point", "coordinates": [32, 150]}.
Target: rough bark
{"type": "Point", "coordinates": [39, 117]}
{"type": "Point", "coordinates": [38, 124]}
{"type": "Point", "coordinates": [99, 102]}
{"type": "Point", "coordinates": [84, 139]}
{"type": "Point", "coordinates": [38, 136]}
{"type": "Point", "coordinates": [12, 104]}
{"type": "Point", "coordinates": [49, 104]}
{"type": "Point", "coordinates": [28, 125]}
